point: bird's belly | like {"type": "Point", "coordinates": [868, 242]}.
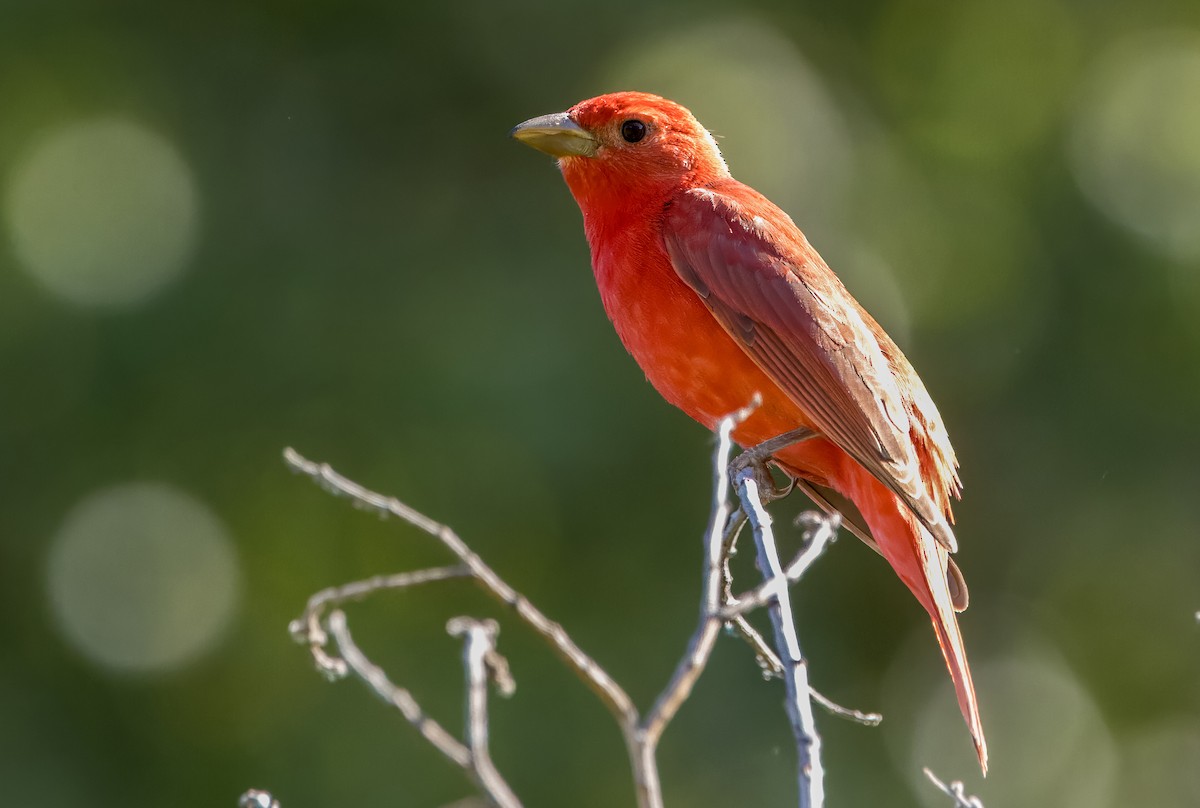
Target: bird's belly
{"type": "Point", "coordinates": [696, 365]}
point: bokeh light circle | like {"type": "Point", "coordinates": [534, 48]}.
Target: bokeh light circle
{"type": "Point", "coordinates": [102, 213]}
{"type": "Point", "coordinates": [1159, 765]}
{"type": "Point", "coordinates": [976, 81]}
{"type": "Point", "coordinates": [1040, 721]}
{"type": "Point", "coordinates": [142, 578]}
{"type": "Point", "coordinates": [1135, 144]}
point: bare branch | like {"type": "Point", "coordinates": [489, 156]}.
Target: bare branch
{"type": "Point", "coordinates": [848, 713]}
{"type": "Point", "coordinates": [483, 664]}
{"type": "Point", "coordinates": [810, 772]}
{"type": "Point", "coordinates": [611, 694]}
{"type": "Point", "coordinates": [764, 654]}
{"type": "Point", "coordinates": [815, 542]}
{"type": "Point", "coordinates": [955, 790]}
{"type": "Point", "coordinates": [395, 695]}
{"type": "Point", "coordinates": [323, 620]}
{"type": "Point", "coordinates": [722, 527]}
{"type": "Point", "coordinates": [772, 668]}
{"type": "Point", "coordinates": [306, 629]}
{"type": "Point", "coordinates": [819, 532]}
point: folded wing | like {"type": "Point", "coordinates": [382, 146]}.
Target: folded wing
{"type": "Point", "coordinates": [774, 294]}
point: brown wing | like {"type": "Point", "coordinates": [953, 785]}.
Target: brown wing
{"type": "Point", "coordinates": [773, 294]}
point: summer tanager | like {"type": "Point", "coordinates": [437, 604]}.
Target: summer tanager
{"type": "Point", "coordinates": [718, 296]}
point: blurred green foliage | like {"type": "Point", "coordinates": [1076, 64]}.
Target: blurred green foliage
{"type": "Point", "coordinates": [376, 275]}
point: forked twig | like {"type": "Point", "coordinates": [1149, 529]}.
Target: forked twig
{"type": "Point", "coordinates": [816, 539]}
{"type": "Point", "coordinates": [483, 665]}
{"type": "Point", "coordinates": [307, 628]}
{"type": "Point", "coordinates": [610, 693]}
{"type": "Point", "coordinates": [324, 624]}
{"type": "Point", "coordinates": [356, 661]}
{"type": "Point", "coordinates": [956, 790]}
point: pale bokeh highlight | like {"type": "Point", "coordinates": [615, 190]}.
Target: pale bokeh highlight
{"type": "Point", "coordinates": [1049, 743]}
{"type": "Point", "coordinates": [1159, 765]}
{"type": "Point", "coordinates": [142, 578]}
{"type": "Point", "coordinates": [1135, 144]}
{"type": "Point", "coordinates": [102, 212]}
{"type": "Point", "coordinates": [976, 81]}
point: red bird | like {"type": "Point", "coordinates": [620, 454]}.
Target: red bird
{"type": "Point", "coordinates": [718, 296]}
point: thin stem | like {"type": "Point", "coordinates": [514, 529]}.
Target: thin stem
{"type": "Point", "coordinates": [758, 597]}
{"type": "Point", "coordinates": [307, 627]}
{"type": "Point", "coordinates": [397, 696]}
{"type": "Point", "coordinates": [720, 528]}
{"type": "Point", "coordinates": [641, 734]}
{"type": "Point", "coordinates": [482, 663]}
{"type": "Point", "coordinates": [810, 773]}
{"type": "Point", "coordinates": [956, 790]}
{"type": "Point", "coordinates": [611, 694]}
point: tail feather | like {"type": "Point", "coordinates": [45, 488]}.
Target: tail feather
{"type": "Point", "coordinates": [950, 640]}
{"type": "Point", "coordinates": [923, 565]}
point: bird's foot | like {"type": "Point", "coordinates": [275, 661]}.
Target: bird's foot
{"type": "Point", "coordinates": [757, 458]}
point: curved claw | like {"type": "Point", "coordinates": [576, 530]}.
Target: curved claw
{"type": "Point", "coordinates": [757, 458]}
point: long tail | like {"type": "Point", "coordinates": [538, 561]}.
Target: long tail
{"type": "Point", "coordinates": [921, 563]}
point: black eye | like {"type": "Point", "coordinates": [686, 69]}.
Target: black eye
{"type": "Point", "coordinates": [633, 131]}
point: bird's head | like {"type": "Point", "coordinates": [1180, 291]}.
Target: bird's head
{"type": "Point", "coordinates": [626, 147]}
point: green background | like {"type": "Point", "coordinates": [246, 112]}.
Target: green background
{"type": "Point", "coordinates": [370, 271]}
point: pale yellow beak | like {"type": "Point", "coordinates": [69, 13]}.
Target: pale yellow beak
{"type": "Point", "coordinates": [556, 135]}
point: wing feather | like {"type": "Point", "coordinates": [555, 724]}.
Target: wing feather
{"type": "Point", "coordinates": [773, 294]}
